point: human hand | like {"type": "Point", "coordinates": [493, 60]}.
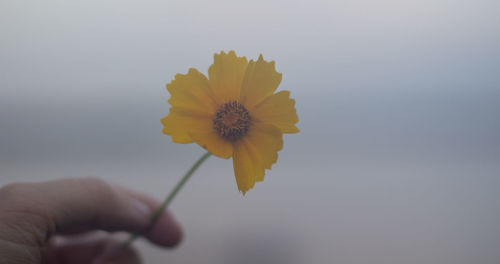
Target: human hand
{"type": "Point", "coordinates": [63, 221]}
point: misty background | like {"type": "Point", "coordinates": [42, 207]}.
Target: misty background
{"type": "Point", "coordinates": [398, 156]}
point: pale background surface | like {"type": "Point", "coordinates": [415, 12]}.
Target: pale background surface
{"type": "Point", "coordinates": [399, 104]}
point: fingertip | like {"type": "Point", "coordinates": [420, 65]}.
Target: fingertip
{"type": "Point", "coordinates": [167, 232]}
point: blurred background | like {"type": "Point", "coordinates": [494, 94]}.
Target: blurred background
{"type": "Point", "coordinates": [399, 103]}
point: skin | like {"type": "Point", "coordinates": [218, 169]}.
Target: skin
{"type": "Point", "coordinates": [71, 220]}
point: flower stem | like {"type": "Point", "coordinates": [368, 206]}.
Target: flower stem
{"type": "Point", "coordinates": [167, 201]}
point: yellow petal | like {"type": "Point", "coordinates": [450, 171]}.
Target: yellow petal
{"type": "Point", "coordinates": [191, 91]}
{"type": "Point", "coordinates": [246, 166]}
{"type": "Point", "coordinates": [187, 126]}
{"type": "Point", "coordinates": [180, 122]}
{"type": "Point", "coordinates": [278, 110]}
{"type": "Point", "coordinates": [171, 127]}
{"type": "Point", "coordinates": [267, 141]}
{"type": "Point", "coordinates": [226, 76]}
{"type": "Point", "coordinates": [261, 80]}
{"type": "Point", "coordinates": [210, 140]}
{"type": "Point", "coordinates": [255, 153]}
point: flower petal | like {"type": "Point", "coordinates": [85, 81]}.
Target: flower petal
{"type": "Point", "coordinates": [246, 166]}
{"type": "Point", "coordinates": [255, 153]}
{"type": "Point", "coordinates": [187, 126]}
{"type": "Point", "coordinates": [213, 143]}
{"type": "Point", "coordinates": [226, 76]}
{"type": "Point", "coordinates": [181, 121]}
{"type": "Point", "coordinates": [261, 80]}
{"type": "Point", "coordinates": [191, 91]}
{"type": "Point", "coordinates": [278, 110]}
{"type": "Point", "coordinates": [267, 141]}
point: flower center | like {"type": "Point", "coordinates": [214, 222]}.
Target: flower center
{"type": "Point", "coordinates": [232, 121]}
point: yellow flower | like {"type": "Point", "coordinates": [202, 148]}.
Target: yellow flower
{"type": "Point", "coordinates": [234, 113]}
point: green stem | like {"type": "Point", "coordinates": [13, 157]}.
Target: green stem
{"type": "Point", "coordinates": [167, 201]}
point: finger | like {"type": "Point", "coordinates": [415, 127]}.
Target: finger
{"type": "Point", "coordinates": [95, 247]}
{"type": "Point", "coordinates": [88, 202]}
{"type": "Point", "coordinates": [166, 231]}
